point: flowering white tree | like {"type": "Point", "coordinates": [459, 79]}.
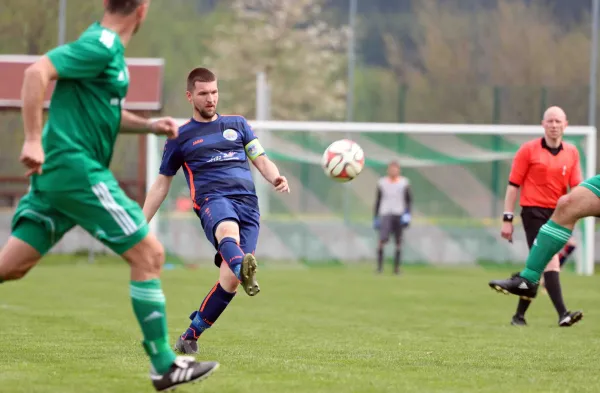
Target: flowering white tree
{"type": "Point", "coordinates": [302, 56]}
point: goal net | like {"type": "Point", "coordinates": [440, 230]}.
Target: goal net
{"type": "Point", "coordinates": [458, 176]}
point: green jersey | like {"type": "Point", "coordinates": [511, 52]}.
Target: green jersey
{"type": "Point", "coordinates": [85, 110]}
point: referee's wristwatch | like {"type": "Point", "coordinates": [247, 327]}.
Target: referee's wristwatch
{"type": "Point", "coordinates": [508, 217]}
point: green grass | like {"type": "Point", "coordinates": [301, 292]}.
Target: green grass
{"type": "Point", "coordinates": [68, 327]}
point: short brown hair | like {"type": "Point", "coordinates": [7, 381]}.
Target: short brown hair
{"type": "Point", "coordinates": [199, 75]}
{"type": "Point", "coordinates": [123, 7]}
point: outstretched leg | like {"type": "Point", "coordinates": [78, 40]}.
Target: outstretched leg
{"type": "Point", "coordinates": [583, 201]}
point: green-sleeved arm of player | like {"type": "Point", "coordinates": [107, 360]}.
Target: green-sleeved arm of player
{"type": "Point", "coordinates": [85, 58]}
{"type": "Point", "coordinates": [254, 149]}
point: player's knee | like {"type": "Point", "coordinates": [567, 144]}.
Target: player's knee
{"type": "Point", "coordinates": [564, 202]}
{"type": "Point", "coordinates": [227, 229]}
{"type": "Point", "coordinates": [157, 257]}
{"type": "Point", "coordinates": [565, 207]}
{"type": "Point", "coordinates": [148, 256]}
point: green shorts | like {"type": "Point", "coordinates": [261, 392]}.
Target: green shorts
{"type": "Point", "coordinates": [103, 210]}
{"type": "Point", "coordinates": [592, 184]}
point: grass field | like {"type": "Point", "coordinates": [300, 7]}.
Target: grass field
{"type": "Point", "coordinates": [68, 327]}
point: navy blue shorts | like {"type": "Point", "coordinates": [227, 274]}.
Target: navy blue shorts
{"type": "Point", "coordinates": [242, 210]}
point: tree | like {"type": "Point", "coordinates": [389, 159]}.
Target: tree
{"type": "Point", "coordinates": [533, 50]}
{"type": "Point", "coordinates": [302, 55]}
{"type": "Point", "coordinates": [462, 55]}
{"type": "Point", "coordinates": [445, 76]}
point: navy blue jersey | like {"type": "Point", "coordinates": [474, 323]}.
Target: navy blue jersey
{"type": "Point", "coordinates": [214, 157]}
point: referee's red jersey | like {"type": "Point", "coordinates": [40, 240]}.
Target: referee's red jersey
{"type": "Point", "coordinates": [545, 174]}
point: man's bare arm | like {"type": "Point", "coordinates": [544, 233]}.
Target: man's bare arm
{"type": "Point", "coordinates": [270, 172]}
{"type": "Point", "coordinates": [156, 195]}
{"type": "Point", "coordinates": [35, 83]}
{"type": "Point", "coordinates": [510, 199]}
{"type": "Point", "coordinates": [267, 168]}
{"type": "Point", "coordinates": [134, 124]}
{"type": "Point", "coordinates": [36, 80]}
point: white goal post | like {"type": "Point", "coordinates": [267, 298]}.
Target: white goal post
{"type": "Point", "coordinates": [265, 128]}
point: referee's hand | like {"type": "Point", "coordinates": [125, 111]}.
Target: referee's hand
{"type": "Point", "coordinates": [507, 231]}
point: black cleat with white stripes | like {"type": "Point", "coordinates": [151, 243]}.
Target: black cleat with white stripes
{"type": "Point", "coordinates": [184, 370]}
{"type": "Point", "coordinates": [516, 285]}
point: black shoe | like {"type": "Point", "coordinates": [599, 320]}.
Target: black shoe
{"type": "Point", "coordinates": [570, 318]}
{"type": "Point", "coordinates": [184, 370]}
{"type": "Point", "coordinates": [518, 320]}
{"type": "Point", "coordinates": [516, 285]}
{"type": "Point", "coordinates": [188, 347]}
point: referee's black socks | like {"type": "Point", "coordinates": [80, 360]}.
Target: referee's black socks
{"type": "Point", "coordinates": [552, 283]}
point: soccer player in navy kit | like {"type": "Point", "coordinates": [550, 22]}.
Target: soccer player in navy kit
{"type": "Point", "coordinates": [213, 151]}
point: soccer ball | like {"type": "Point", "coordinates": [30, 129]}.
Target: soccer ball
{"type": "Point", "coordinates": [343, 160]}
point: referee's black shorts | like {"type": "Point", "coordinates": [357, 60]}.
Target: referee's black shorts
{"type": "Point", "coordinates": [534, 218]}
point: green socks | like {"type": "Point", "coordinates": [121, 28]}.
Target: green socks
{"type": "Point", "coordinates": [149, 306]}
{"type": "Point", "coordinates": [550, 240]}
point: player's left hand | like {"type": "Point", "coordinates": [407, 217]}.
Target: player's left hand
{"type": "Point", "coordinates": [281, 184]}
{"type": "Point", "coordinates": [165, 126]}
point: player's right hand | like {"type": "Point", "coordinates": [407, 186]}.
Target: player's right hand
{"type": "Point", "coordinates": [376, 223]}
{"type": "Point", "coordinates": [507, 231]}
{"type": "Point", "coordinates": [32, 156]}
{"type": "Point", "coordinates": [165, 126]}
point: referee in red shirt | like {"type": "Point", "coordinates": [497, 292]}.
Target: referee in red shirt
{"type": "Point", "coordinates": [543, 169]}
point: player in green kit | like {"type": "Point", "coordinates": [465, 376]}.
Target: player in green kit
{"type": "Point", "coordinates": [71, 184]}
